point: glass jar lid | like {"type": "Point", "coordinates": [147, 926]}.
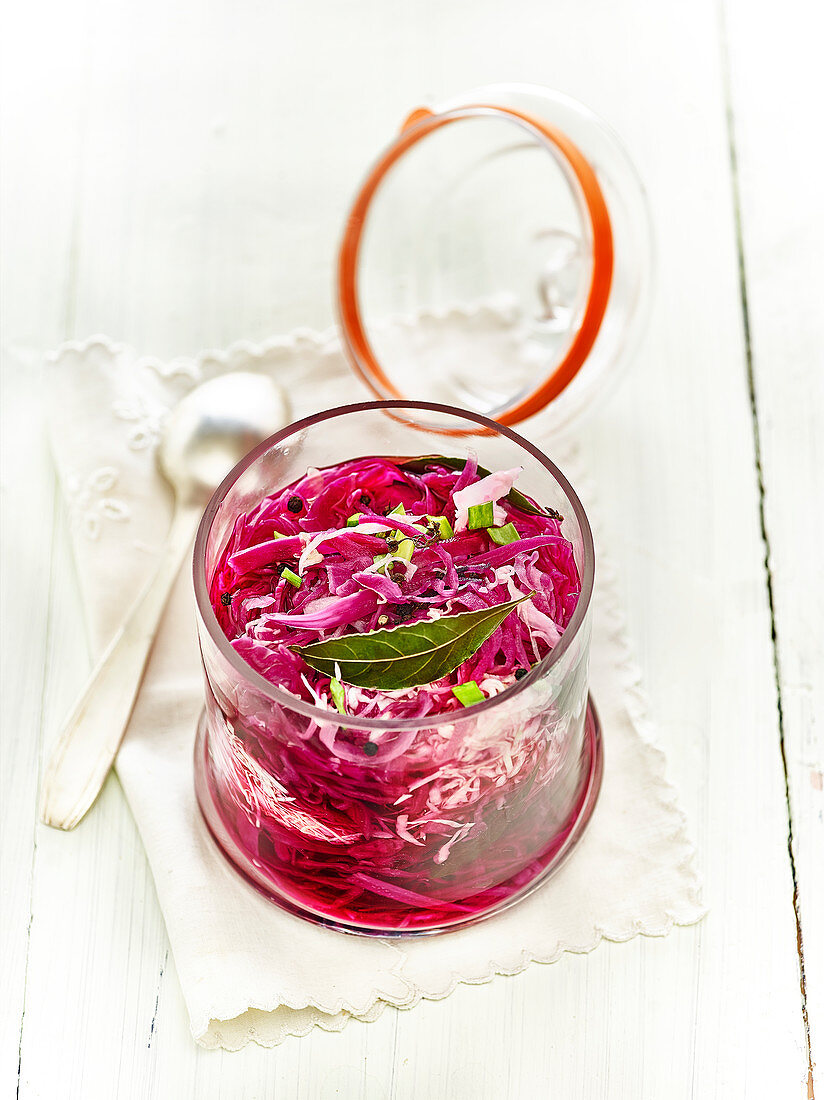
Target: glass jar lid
{"type": "Point", "coordinates": [496, 258]}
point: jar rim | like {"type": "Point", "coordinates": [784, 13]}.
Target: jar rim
{"type": "Point", "coordinates": [286, 699]}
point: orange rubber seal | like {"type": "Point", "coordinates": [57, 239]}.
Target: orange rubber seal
{"type": "Point", "coordinates": [419, 124]}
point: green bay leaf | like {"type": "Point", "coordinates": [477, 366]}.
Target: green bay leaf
{"type": "Point", "coordinates": [409, 655]}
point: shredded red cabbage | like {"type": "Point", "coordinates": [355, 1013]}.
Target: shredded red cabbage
{"type": "Point", "coordinates": [400, 828]}
{"type": "Point", "coordinates": [303, 528]}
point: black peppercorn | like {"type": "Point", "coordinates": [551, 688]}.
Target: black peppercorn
{"type": "Point", "coordinates": [226, 598]}
{"type": "Point", "coordinates": [370, 748]}
{"type": "Point", "coordinates": [295, 504]}
{"type": "Point", "coordinates": [520, 673]}
{"type": "Point", "coordinates": [364, 499]}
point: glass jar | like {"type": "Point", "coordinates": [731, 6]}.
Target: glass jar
{"type": "Point", "coordinates": [512, 219]}
{"type": "Point", "coordinates": [408, 826]}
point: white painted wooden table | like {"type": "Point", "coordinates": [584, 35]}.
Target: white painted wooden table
{"type": "Point", "coordinates": [174, 175]}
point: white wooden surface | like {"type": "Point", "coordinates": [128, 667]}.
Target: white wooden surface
{"type": "Point", "coordinates": [174, 176]}
{"type": "Point", "coordinates": [783, 245]}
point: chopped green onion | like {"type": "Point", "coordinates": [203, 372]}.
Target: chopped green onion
{"type": "Point", "coordinates": [444, 526]}
{"type": "Point", "coordinates": [406, 548]}
{"type": "Point", "coordinates": [338, 694]}
{"type": "Point", "coordinates": [400, 544]}
{"type": "Point", "coordinates": [504, 535]}
{"type": "Point", "coordinates": [292, 578]}
{"type": "Point", "coordinates": [384, 561]}
{"type": "Point", "coordinates": [354, 519]}
{"type": "Point", "coordinates": [480, 515]}
{"type": "Point", "coordinates": [468, 693]}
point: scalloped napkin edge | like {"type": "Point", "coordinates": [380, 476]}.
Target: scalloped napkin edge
{"type": "Point", "coordinates": [241, 961]}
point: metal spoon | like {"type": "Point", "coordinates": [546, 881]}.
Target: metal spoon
{"type": "Point", "coordinates": [210, 430]}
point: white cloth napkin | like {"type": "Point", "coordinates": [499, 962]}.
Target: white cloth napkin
{"type": "Point", "coordinates": [248, 970]}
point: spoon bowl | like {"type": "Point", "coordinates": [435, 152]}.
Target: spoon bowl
{"type": "Point", "coordinates": [214, 426]}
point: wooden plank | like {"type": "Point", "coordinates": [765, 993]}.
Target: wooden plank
{"type": "Point", "coordinates": [62, 894]}
{"type": "Point", "coordinates": [218, 160]}
{"type": "Point", "coordinates": [24, 594]}
{"type": "Point", "coordinates": [779, 174]}
{"type": "Point", "coordinates": [36, 228]}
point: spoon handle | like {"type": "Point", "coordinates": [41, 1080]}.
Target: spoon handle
{"type": "Point", "coordinates": [88, 742]}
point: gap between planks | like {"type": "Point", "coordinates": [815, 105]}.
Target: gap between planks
{"type": "Point", "coordinates": [765, 538]}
